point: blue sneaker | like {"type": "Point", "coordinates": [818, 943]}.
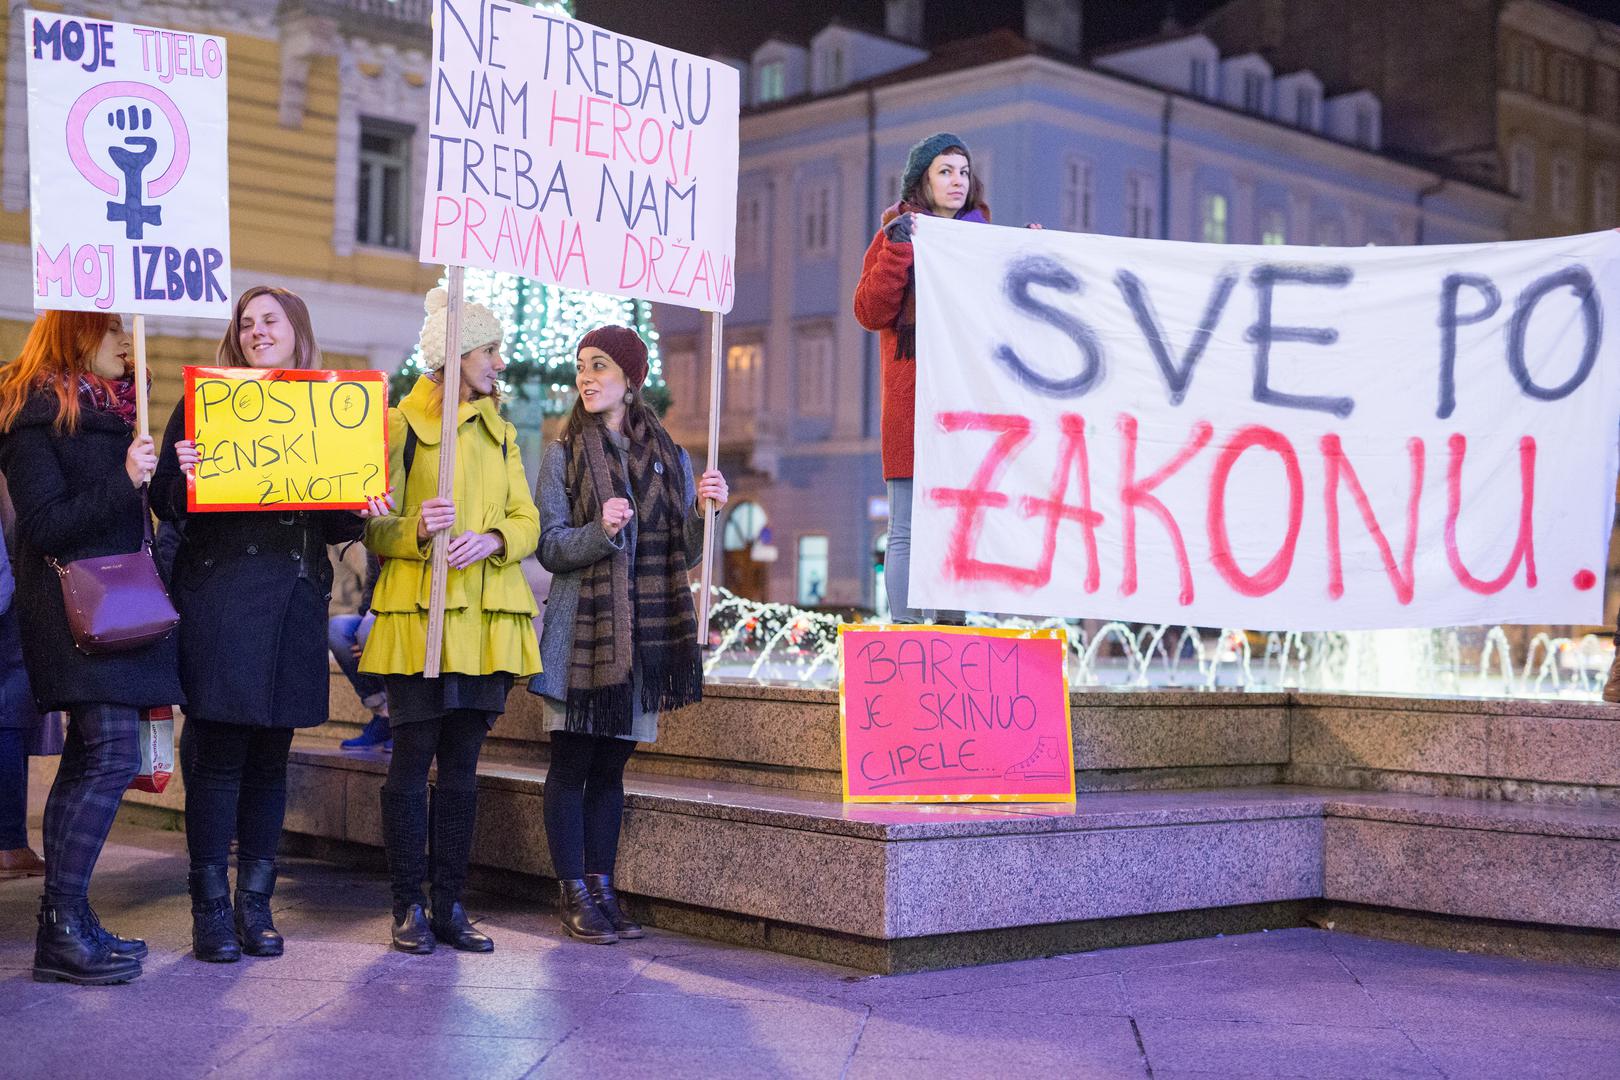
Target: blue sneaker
{"type": "Point", "coordinates": [376, 736]}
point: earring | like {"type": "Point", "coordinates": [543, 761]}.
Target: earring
{"type": "Point", "coordinates": [629, 397]}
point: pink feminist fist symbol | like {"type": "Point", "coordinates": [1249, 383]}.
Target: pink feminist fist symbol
{"type": "Point", "coordinates": [134, 156]}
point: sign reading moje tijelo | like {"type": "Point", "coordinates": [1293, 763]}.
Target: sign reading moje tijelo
{"type": "Point", "coordinates": [954, 714]}
{"type": "Point", "coordinates": [286, 439]}
{"type": "Point", "coordinates": [1271, 437]}
{"type": "Point", "coordinates": [577, 156]}
{"type": "Point", "coordinates": [127, 167]}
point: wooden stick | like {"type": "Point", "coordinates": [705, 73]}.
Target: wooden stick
{"type": "Point", "coordinates": [143, 420]}
{"type": "Point", "coordinates": [716, 325]}
{"type": "Point", "coordinates": [450, 380]}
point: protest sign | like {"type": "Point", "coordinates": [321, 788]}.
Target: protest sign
{"type": "Point", "coordinates": [1270, 437]}
{"type": "Point", "coordinates": [580, 157]}
{"type": "Point", "coordinates": [286, 439]}
{"type": "Point", "coordinates": [954, 714]}
{"type": "Point", "coordinates": [127, 167]}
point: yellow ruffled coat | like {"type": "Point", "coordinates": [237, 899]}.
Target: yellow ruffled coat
{"type": "Point", "coordinates": [489, 609]}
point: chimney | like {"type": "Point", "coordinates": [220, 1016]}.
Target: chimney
{"type": "Point", "coordinates": [903, 19]}
{"type": "Point", "coordinates": [1054, 24]}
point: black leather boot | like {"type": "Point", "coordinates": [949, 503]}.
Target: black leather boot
{"type": "Point", "coordinates": [412, 934]}
{"type": "Point", "coordinates": [580, 915]}
{"type": "Point", "coordinates": [133, 948]}
{"type": "Point", "coordinates": [255, 931]}
{"type": "Point", "coordinates": [213, 937]}
{"type": "Point", "coordinates": [455, 813]}
{"type": "Point", "coordinates": [600, 887]}
{"type": "Point", "coordinates": [451, 926]}
{"type": "Point", "coordinates": [67, 949]}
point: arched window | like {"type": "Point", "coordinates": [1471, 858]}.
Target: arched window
{"type": "Point", "coordinates": [744, 524]}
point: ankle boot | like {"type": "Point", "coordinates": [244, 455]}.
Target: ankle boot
{"type": "Point", "coordinates": [580, 915]}
{"type": "Point", "coordinates": [451, 926]}
{"type": "Point", "coordinates": [412, 934]}
{"type": "Point", "coordinates": [134, 948]}
{"type": "Point", "coordinates": [66, 949]}
{"type": "Point", "coordinates": [600, 887]}
{"type": "Point", "coordinates": [213, 937]}
{"type": "Point", "coordinates": [405, 829]}
{"type": "Point", "coordinates": [255, 931]}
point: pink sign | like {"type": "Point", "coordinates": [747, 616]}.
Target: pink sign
{"type": "Point", "coordinates": [954, 714]}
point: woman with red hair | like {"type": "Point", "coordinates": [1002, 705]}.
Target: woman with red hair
{"type": "Point", "coordinates": [76, 471]}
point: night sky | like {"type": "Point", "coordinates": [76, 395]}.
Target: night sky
{"type": "Point", "coordinates": [704, 26]}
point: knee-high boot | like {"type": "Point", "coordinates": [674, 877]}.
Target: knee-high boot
{"type": "Point", "coordinates": [455, 816]}
{"type": "Point", "coordinates": [405, 826]}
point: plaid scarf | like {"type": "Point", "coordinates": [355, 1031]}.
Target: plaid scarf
{"type": "Point", "coordinates": [905, 327]}
{"type": "Point", "coordinates": [631, 617]}
{"type": "Point", "coordinates": [113, 396]}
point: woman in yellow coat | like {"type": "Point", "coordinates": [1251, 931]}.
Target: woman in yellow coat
{"type": "Point", "coordinates": [488, 621]}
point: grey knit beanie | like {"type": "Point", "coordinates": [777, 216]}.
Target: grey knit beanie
{"type": "Point", "coordinates": [923, 154]}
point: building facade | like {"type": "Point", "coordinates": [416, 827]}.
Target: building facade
{"type": "Point", "coordinates": [1170, 139]}
{"type": "Point", "coordinates": [1524, 94]}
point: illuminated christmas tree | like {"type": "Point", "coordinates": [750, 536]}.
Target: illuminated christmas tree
{"type": "Point", "coordinates": [545, 323]}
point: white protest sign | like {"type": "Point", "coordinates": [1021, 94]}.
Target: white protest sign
{"type": "Point", "coordinates": [1272, 437]}
{"type": "Point", "coordinates": [127, 167]}
{"type": "Point", "coordinates": [580, 157]}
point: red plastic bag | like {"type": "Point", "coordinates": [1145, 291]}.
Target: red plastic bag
{"type": "Point", "coordinates": [157, 750]}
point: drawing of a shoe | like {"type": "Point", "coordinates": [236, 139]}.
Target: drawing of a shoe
{"type": "Point", "coordinates": [1045, 762]}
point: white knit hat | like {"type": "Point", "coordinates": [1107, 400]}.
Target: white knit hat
{"type": "Point", "coordinates": [479, 327]}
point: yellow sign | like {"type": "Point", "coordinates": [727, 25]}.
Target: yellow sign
{"type": "Point", "coordinates": [286, 440]}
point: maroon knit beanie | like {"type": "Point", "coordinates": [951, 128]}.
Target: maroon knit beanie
{"type": "Point", "coordinates": [626, 348]}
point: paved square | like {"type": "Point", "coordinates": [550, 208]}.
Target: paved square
{"type": "Point", "coordinates": [340, 1004]}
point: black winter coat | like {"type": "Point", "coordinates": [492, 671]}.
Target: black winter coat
{"type": "Point", "coordinates": [74, 501]}
{"type": "Point", "coordinates": [252, 590]}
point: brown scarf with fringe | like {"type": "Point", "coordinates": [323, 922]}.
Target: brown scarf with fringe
{"type": "Point", "coordinates": [631, 617]}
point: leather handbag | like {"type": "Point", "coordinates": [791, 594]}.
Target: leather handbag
{"type": "Point", "coordinates": [116, 602]}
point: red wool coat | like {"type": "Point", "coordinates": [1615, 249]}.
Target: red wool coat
{"type": "Point", "coordinates": [885, 303]}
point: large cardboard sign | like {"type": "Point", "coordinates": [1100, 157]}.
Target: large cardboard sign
{"type": "Point", "coordinates": [1271, 437]}
{"type": "Point", "coordinates": [580, 157]}
{"type": "Point", "coordinates": [954, 714]}
{"type": "Point", "coordinates": [286, 440]}
{"type": "Point", "coordinates": [127, 167]}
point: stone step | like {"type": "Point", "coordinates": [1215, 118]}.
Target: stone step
{"type": "Point", "coordinates": [905, 886]}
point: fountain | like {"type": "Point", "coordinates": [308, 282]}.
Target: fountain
{"type": "Point", "coordinates": [770, 643]}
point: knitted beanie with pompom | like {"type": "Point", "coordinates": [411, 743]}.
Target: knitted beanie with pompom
{"type": "Point", "coordinates": [479, 327]}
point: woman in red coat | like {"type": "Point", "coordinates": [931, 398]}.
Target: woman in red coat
{"type": "Point", "coordinates": [938, 180]}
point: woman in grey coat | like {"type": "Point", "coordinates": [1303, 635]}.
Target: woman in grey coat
{"type": "Point", "coordinates": [619, 528]}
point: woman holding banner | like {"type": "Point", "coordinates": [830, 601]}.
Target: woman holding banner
{"type": "Point", "coordinates": [251, 588]}
{"type": "Point", "coordinates": [77, 475]}
{"type": "Point", "coordinates": [488, 620]}
{"type": "Point", "coordinates": [938, 181]}
{"type": "Point", "coordinates": [620, 528]}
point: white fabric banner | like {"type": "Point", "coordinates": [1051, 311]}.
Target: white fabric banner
{"type": "Point", "coordinates": [580, 157]}
{"type": "Point", "coordinates": [1269, 437]}
{"type": "Point", "coordinates": [127, 167]}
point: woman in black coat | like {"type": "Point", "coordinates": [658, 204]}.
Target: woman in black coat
{"type": "Point", "coordinates": [251, 589]}
{"type": "Point", "coordinates": [76, 472]}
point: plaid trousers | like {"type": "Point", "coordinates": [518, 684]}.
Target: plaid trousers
{"type": "Point", "coordinates": [100, 758]}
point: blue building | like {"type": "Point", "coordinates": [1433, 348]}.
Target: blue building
{"type": "Point", "coordinates": [1164, 138]}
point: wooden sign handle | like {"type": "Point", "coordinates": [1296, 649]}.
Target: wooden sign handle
{"type": "Point", "coordinates": [143, 417]}
{"type": "Point", "coordinates": [450, 380]}
{"type": "Point", "coordinates": [716, 326]}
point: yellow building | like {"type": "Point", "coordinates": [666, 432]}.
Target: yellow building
{"type": "Point", "coordinates": [328, 108]}
{"type": "Point", "coordinates": [1558, 118]}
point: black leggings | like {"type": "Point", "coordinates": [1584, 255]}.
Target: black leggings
{"type": "Point", "coordinates": [236, 789]}
{"type": "Point", "coordinates": [584, 802]}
